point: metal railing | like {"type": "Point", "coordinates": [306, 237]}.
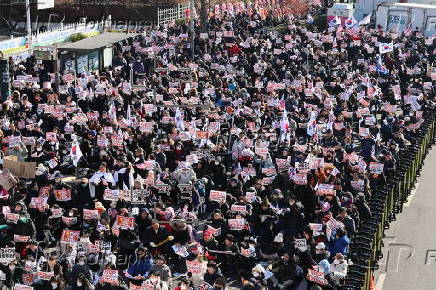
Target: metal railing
{"type": "Point", "coordinates": [385, 203]}
{"type": "Point", "coordinates": [20, 45]}
{"type": "Point", "coordinates": [170, 14]}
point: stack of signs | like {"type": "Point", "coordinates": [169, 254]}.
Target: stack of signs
{"type": "Point", "coordinates": [109, 276]}
{"type": "Point", "coordinates": [7, 255]}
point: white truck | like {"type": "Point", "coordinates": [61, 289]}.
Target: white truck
{"type": "Point", "coordinates": [364, 7]}
{"type": "Point", "coordinates": [395, 17]}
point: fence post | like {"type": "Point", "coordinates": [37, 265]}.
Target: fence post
{"type": "Point", "coordinates": [158, 17]}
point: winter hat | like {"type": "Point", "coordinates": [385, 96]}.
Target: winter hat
{"type": "Point", "coordinates": [320, 246]}
{"type": "Point", "coordinates": [278, 238]}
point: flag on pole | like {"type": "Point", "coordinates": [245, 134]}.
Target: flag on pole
{"type": "Point", "coordinates": [332, 119]}
{"type": "Point", "coordinates": [350, 22]}
{"type": "Point", "coordinates": [179, 120]}
{"type": "Point", "coordinates": [311, 125]}
{"type": "Point", "coordinates": [129, 115]}
{"type": "Point", "coordinates": [386, 47]}
{"type": "Point", "coordinates": [75, 153]}
{"type": "Point", "coordinates": [335, 21]}
{"type": "Point", "coordinates": [408, 30]}
{"type": "Point", "coordinates": [381, 68]}
{"type": "Point", "coordinates": [309, 19]}
{"type": "Point", "coordinates": [112, 112]}
{"type": "Point", "coordinates": [366, 20]}
{"type": "Point", "coordinates": [284, 122]}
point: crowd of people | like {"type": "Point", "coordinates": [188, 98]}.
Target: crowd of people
{"type": "Point", "coordinates": [247, 164]}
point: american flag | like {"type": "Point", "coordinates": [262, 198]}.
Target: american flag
{"type": "Point", "coordinates": [354, 32]}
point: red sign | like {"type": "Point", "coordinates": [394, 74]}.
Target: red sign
{"type": "Point", "coordinates": [126, 222]}
{"type": "Point", "coordinates": [69, 236]}
{"type": "Point", "coordinates": [62, 194]}
{"type": "Point", "coordinates": [109, 276]}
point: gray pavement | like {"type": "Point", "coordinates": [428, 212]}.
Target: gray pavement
{"type": "Point", "coordinates": [409, 260]}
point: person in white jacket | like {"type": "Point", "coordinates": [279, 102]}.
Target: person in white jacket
{"type": "Point", "coordinates": [184, 174]}
{"type": "Point", "coordinates": [339, 268]}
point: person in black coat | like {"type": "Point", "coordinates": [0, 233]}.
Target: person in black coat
{"type": "Point", "coordinates": [362, 208]}
{"type": "Point", "coordinates": [212, 273]}
{"type": "Point", "coordinates": [81, 269]}
{"type": "Point", "coordinates": [143, 221]}
{"type": "Point", "coordinates": [229, 259]}
{"type": "Point", "coordinates": [13, 274]}
{"type": "Point", "coordinates": [287, 272]}
{"type": "Point", "coordinates": [348, 222]}
{"type": "Point", "coordinates": [155, 235]}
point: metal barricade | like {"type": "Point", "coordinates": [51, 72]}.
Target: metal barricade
{"type": "Point", "coordinates": [393, 196]}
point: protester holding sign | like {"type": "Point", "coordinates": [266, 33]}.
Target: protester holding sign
{"type": "Point", "coordinates": [262, 148]}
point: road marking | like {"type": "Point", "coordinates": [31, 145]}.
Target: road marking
{"type": "Point", "coordinates": [411, 196]}
{"type": "Point", "coordinates": [380, 281]}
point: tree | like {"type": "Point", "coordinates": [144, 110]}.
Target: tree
{"type": "Point", "coordinates": [204, 14]}
{"type": "Point", "coordinates": [296, 7]}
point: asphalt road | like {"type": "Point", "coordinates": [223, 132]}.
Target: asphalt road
{"type": "Point", "coordinates": [409, 260]}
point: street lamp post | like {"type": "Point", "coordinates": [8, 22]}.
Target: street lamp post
{"type": "Point", "coordinates": [29, 23]}
{"type": "Point", "coordinates": [192, 28]}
